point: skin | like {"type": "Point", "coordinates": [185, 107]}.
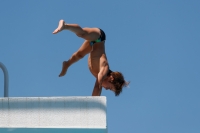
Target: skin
{"type": "Point", "coordinates": [97, 60]}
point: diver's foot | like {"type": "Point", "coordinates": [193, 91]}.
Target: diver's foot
{"type": "Point", "coordinates": [64, 68]}
{"type": "Point", "coordinates": [61, 25]}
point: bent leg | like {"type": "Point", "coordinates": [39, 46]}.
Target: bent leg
{"type": "Point", "coordinates": [83, 50]}
{"type": "Point", "coordinates": [85, 33]}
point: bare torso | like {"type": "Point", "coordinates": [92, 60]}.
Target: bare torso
{"type": "Point", "coordinates": [94, 57]}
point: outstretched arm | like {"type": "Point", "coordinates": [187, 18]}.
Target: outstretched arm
{"type": "Point", "coordinates": [104, 67]}
{"type": "Point", "coordinates": [97, 89]}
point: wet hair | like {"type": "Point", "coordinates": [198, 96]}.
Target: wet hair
{"type": "Point", "coordinates": [118, 81]}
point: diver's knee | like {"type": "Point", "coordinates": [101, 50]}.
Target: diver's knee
{"type": "Point", "coordinates": [79, 35]}
{"type": "Point", "coordinates": [78, 54]}
{"type": "Point", "coordinates": [83, 34]}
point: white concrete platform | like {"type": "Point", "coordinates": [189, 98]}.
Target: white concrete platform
{"type": "Point", "coordinates": [53, 114]}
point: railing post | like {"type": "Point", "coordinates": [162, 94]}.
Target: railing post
{"type": "Point", "coordinates": [5, 79]}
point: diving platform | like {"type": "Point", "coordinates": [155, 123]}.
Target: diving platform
{"type": "Point", "coordinates": [53, 114]}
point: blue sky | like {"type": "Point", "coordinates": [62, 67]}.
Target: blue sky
{"type": "Point", "coordinates": [155, 44]}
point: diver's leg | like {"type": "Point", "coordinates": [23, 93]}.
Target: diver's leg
{"type": "Point", "coordinates": [85, 33]}
{"type": "Point", "coordinates": [83, 50]}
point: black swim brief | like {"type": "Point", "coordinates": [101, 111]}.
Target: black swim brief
{"type": "Point", "coordinates": [100, 39]}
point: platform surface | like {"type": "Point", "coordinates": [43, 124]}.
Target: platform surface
{"type": "Point", "coordinates": [53, 114]}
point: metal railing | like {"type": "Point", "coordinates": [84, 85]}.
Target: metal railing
{"type": "Point", "coordinates": [5, 79]}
